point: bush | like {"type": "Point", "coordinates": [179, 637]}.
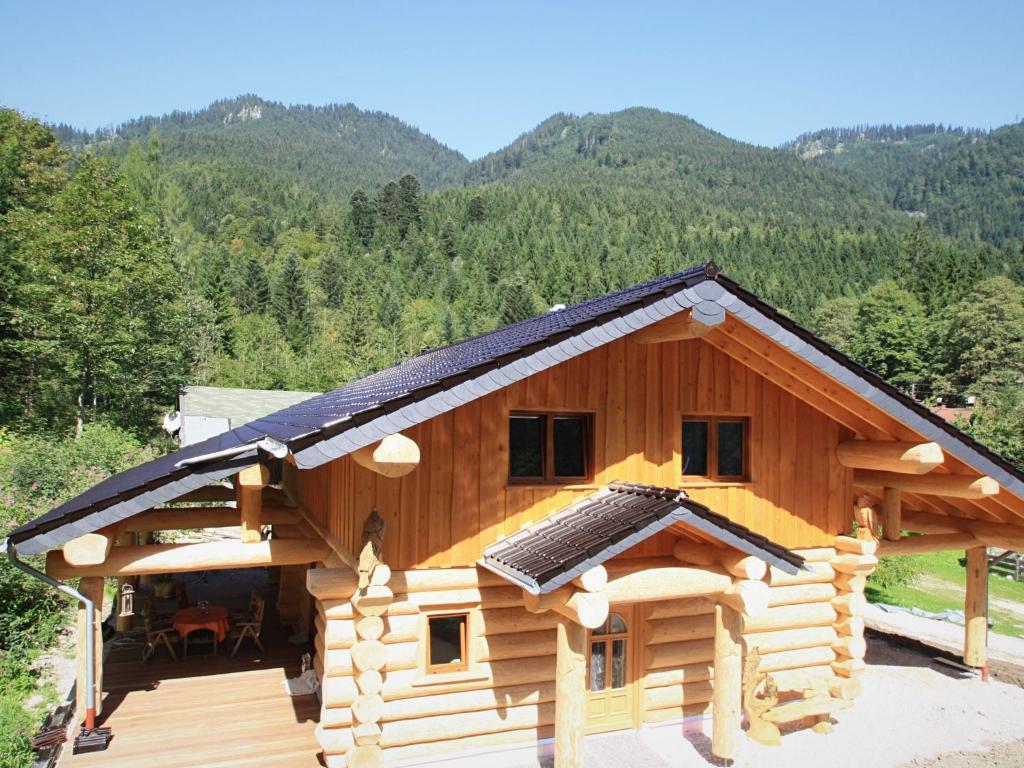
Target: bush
{"type": "Point", "coordinates": [37, 474]}
{"type": "Point", "coordinates": [895, 572]}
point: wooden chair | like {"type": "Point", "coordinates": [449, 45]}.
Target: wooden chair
{"type": "Point", "coordinates": [251, 627]}
{"type": "Point", "coordinates": [255, 598]}
{"type": "Point", "coordinates": [156, 635]}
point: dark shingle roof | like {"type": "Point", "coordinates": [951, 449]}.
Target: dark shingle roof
{"type": "Point", "coordinates": [565, 544]}
{"type": "Point", "coordinates": [319, 418]}
{"type": "Point", "coordinates": [330, 425]}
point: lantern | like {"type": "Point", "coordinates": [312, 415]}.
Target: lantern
{"type": "Point", "coordinates": [127, 600]}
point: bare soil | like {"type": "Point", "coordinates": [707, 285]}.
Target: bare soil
{"type": "Point", "coordinates": [913, 713]}
{"type": "Point", "coordinates": [1007, 755]}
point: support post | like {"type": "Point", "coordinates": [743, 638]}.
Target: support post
{"type": "Point", "coordinates": [727, 696]}
{"type": "Point", "coordinates": [976, 608]}
{"type": "Point", "coordinates": [570, 694]}
{"type": "Point", "coordinates": [249, 485]}
{"type": "Point", "coordinates": [92, 588]}
{"type": "Point", "coordinates": [891, 519]}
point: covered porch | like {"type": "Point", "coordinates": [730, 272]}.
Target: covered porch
{"type": "Point", "coordinates": [207, 709]}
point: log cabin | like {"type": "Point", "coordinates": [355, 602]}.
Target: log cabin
{"type": "Point", "coordinates": [580, 523]}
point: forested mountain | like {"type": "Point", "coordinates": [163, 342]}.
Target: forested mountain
{"type": "Point", "coordinates": [966, 184]}
{"type": "Point", "coordinates": [305, 254]}
{"type": "Point", "coordinates": [647, 148]}
{"type": "Point", "coordinates": [328, 150]}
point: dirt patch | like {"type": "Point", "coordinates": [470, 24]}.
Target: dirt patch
{"type": "Point", "coordinates": [1009, 754]}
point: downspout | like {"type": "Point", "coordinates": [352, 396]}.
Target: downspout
{"type": "Point", "coordinates": [90, 629]}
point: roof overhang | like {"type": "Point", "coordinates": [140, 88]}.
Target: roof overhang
{"type": "Point", "coordinates": [566, 544]}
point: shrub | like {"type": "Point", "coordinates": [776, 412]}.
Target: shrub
{"type": "Point", "coordinates": [895, 572]}
{"type": "Point", "coordinates": [37, 474]}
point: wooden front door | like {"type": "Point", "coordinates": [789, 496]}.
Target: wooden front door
{"type": "Point", "coordinates": [611, 673]}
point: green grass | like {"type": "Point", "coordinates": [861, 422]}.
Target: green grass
{"type": "Point", "coordinates": [941, 586]}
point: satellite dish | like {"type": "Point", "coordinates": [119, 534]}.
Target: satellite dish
{"type": "Point", "coordinates": [172, 422]}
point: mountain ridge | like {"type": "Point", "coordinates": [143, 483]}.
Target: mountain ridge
{"type": "Point", "coordinates": [961, 182]}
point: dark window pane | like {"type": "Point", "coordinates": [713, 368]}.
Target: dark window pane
{"type": "Point", "coordinates": [570, 446]}
{"type": "Point", "coordinates": [618, 663]}
{"type": "Point", "coordinates": [695, 447]}
{"type": "Point", "coordinates": [730, 448]}
{"type": "Point", "coordinates": [597, 677]}
{"type": "Point", "coordinates": [446, 635]}
{"type": "Point", "coordinates": [526, 446]}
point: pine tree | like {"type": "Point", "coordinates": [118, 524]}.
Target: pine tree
{"type": "Point", "coordinates": [410, 205]}
{"type": "Point", "coordinates": [331, 275]}
{"type": "Point", "coordinates": [217, 290]}
{"type": "Point", "coordinates": [516, 302]}
{"type": "Point", "coordinates": [361, 216]}
{"type": "Point", "coordinates": [388, 204]}
{"type": "Point", "coordinates": [477, 209]}
{"type": "Point", "coordinates": [290, 301]}
{"type": "Point", "coordinates": [253, 295]}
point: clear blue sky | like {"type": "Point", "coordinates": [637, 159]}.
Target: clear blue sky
{"type": "Point", "coordinates": [476, 74]}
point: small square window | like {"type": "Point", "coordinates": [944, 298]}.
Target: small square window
{"type": "Point", "coordinates": [570, 437]}
{"type": "Point", "coordinates": [447, 647]}
{"type": "Point", "coordinates": [526, 446]}
{"type": "Point", "coordinates": [730, 448]}
{"type": "Point", "coordinates": [550, 447]}
{"type": "Point", "coordinates": [716, 448]}
{"type": "Point", "coordinates": [695, 447]}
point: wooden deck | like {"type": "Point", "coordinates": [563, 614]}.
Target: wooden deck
{"type": "Point", "coordinates": [210, 711]}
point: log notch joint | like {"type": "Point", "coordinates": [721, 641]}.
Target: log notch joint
{"type": "Point", "coordinates": [854, 561]}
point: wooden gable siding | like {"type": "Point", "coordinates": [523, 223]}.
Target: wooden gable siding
{"type": "Point", "coordinates": [458, 501]}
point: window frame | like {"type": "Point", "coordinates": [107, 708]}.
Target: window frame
{"type": "Point", "coordinates": [459, 666]}
{"type": "Point", "coordinates": [547, 459]}
{"type": "Point", "coordinates": [609, 639]}
{"type": "Point", "coordinates": [713, 420]}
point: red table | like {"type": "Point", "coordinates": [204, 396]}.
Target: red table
{"type": "Point", "coordinates": [215, 619]}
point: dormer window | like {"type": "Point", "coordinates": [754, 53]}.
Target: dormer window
{"type": "Point", "coordinates": [716, 448]}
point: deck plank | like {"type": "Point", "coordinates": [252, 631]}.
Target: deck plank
{"type": "Point", "coordinates": [209, 711]}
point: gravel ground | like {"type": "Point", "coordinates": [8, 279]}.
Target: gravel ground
{"type": "Point", "coordinates": [912, 713]}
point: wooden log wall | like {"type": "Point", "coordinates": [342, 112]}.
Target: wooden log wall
{"type": "Point", "coordinates": [801, 637]}
{"type": "Point", "coordinates": [676, 663]}
{"type": "Point", "coordinates": [506, 697]}
{"type": "Point", "coordinates": [796, 636]}
{"type": "Point", "coordinates": [798, 494]}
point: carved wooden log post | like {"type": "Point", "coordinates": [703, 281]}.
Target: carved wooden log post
{"type": "Point", "coordinates": [570, 694]}
{"type": "Point", "coordinates": [727, 696]}
{"type": "Point", "coordinates": [891, 523]}
{"type": "Point", "coordinates": [91, 587]}
{"type": "Point", "coordinates": [975, 608]}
